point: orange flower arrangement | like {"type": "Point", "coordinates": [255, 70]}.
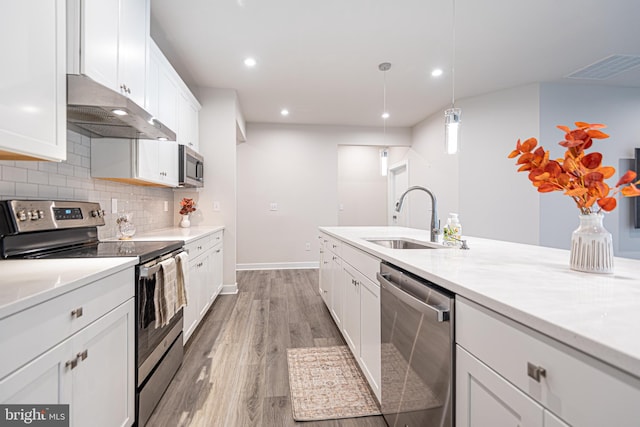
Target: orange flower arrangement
{"type": "Point", "coordinates": [187, 206]}
{"type": "Point", "coordinates": [581, 176]}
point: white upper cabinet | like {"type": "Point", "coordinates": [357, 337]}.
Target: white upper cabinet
{"type": "Point", "coordinates": [33, 81]}
{"type": "Point", "coordinates": [107, 41]}
{"type": "Point", "coordinates": [188, 125]}
{"type": "Point", "coordinates": [162, 88]}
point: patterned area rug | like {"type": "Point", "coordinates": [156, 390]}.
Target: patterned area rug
{"type": "Point", "coordinates": [326, 383]}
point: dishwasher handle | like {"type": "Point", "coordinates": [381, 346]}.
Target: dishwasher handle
{"type": "Point", "coordinates": [442, 315]}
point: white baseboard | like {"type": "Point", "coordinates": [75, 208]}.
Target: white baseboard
{"type": "Point", "coordinates": [278, 266]}
{"type": "Point", "coordinates": [229, 289]}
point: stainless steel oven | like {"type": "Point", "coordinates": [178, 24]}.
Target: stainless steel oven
{"type": "Point", "coordinates": [417, 343]}
{"type": "Point", "coordinates": [66, 229]}
{"type": "Point", "coordinates": [190, 167]}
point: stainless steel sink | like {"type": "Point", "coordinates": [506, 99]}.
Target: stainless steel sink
{"type": "Point", "coordinates": [405, 244]}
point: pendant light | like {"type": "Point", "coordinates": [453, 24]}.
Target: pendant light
{"type": "Point", "coordinates": [452, 115]}
{"type": "Point", "coordinates": [384, 153]}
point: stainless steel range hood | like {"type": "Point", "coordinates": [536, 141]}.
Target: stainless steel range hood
{"type": "Point", "coordinates": [90, 111]}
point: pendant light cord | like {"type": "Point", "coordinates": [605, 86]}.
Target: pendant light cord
{"type": "Point", "coordinates": [384, 105]}
{"type": "Point", "coordinates": [453, 56]}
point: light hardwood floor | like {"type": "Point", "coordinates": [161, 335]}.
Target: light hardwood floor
{"type": "Point", "coordinates": [235, 366]}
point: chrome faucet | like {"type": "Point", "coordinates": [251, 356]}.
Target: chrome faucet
{"type": "Point", "coordinates": [435, 230]}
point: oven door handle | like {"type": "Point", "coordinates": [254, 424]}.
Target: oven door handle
{"type": "Point", "coordinates": [442, 315]}
{"type": "Point", "coordinates": [149, 271]}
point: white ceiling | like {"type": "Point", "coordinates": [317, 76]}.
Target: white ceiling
{"type": "Point", "coordinates": [319, 58]}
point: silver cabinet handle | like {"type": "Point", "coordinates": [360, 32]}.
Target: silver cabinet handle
{"type": "Point", "coordinates": [77, 312]}
{"type": "Point", "coordinates": [83, 355]}
{"type": "Point", "coordinates": [71, 364]}
{"type": "Point", "coordinates": [536, 372]}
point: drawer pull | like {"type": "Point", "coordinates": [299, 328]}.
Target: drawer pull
{"type": "Point", "coordinates": [536, 372]}
{"type": "Point", "coordinates": [77, 312]}
{"type": "Point", "coordinates": [71, 364]}
{"type": "Point", "coordinates": [83, 355]}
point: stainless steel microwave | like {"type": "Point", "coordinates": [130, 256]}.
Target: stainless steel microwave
{"type": "Point", "coordinates": [191, 167]}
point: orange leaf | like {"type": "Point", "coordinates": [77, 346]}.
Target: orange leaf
{"type": "Point", "coordinates": [607, 171]}
{"type": "Point", "coordinates": [525, 158]}
{"type": "Point", "coordinates": [514, 153]}
{"type": "Point", "coordinates": [524, 167]}
{"type": "Point", "coordinates": [576, 192]}
{"type": "Point", "coordinates": [597, 134]}
{"type": "Point", "coordinates": [564, 179]}
{"type": "Point", "coordinates": [546, 187]}
{"type": "Point", "coordinates": [529, 145]}
{"type": "Point", "coordinates": [607, 203]}
{"type": "Point", "coordinates": [628, 177]}
{"type": "Point", "coordinates": [592, 161]}
{"type": "Point", "coordinates": [630, 191]}
{"type": "Point", "coordinates": [553, 169]}
{"type": "Point", "coordinates": [592, 177]}
{"type": "Point", "coordinates": [564, 128]}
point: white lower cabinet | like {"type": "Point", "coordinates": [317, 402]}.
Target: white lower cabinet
{"type": "Point", "coordinates": [205, 279]}
{"type": "Point", "coordinates": [349, 288]}
{"type": "Point", "coordinates": [484, 398]}
{"type": "Point", "coordinates": [92, 370]}
{"type": "Point", "coordinates": [526, 376]}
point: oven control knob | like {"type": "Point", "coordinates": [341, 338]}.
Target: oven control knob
{"type": "Point", "coordinates": [22, 215]}
{"type": "Point", "coordinates": [94, 213]}
{"type": "Point", "coordinates": [98, 213]}
{"type": "Point", "coordinates": [34, 215]}
{"type": "Point", "coordinates": [40, 214]}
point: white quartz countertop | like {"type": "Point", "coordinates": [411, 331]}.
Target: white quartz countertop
{"type": "Point", "coordinates": [177, 233]}
{"type": "Point", "coordinates": [598, 314]}
{"type": "Point", "coordinates": [27, 282]}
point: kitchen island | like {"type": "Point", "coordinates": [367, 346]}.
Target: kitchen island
{"type": "Point", "coordinates": [507, 293]}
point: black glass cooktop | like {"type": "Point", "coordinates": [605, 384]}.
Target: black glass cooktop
{"type": "Point", "coordinates": [146, 251]}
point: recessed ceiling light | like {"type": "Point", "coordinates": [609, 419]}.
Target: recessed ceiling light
{"type": "Point", "coordinates": [119, 112]}
{"type": "Point", "coordinates": [385, 115]}
{"type": "Point", "coordinates": [437, 72]}
{"type": "Point", "coordinates": [284, 112]}
{"type": "Point", "coordinates": [250, 62]}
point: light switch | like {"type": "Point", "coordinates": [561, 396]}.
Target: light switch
{"type": "Point", "coordinates": [166, 206]}
{"type": "Point", "coordinates": [114, 205]}
{"type": "Point", "coordinates": [273, 206]}
{"type": "Point", "coordinates": [216, 206]}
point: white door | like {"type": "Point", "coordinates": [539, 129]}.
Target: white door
{"type": "Point", "coordinates": [398, 182]}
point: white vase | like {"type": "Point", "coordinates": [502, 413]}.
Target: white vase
{"type": "Point", "coordinates": [592, 246]}
{"type": "Point", "coordinates": [184, 222]}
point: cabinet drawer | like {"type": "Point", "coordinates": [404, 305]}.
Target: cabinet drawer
{"type": "Point", "coordinates": [31, 332]}
{"type": "Point", "coordinates": [199, 246]}
{"type": "Point", "coordinates": [578, 388]}
{"type": "Point", "coordinates": [361, 261]}
{"type": "Point", "coordinates": [331, 244]}
{"type": "Point", "coordinates": [216, 238]}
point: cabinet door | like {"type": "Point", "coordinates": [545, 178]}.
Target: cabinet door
{"type": "Point", "coordinates": [337, 290]}
{"type": "Point", "coordinates": [168, 162]}
{"type": "Point", "coordinates": [33, 90]}
{"type": "Point", "coordinates": [187, 121]}
{"type": "Point", "coordinates": [324, 280]}
{"type": "Point", "coordinates": [99, 45]}
{"type": "Point", "coordinates": [370, 333]}
{"type": "Point", "coordinates": [351, 318]}
{"type": "Point", "coordinates": [45, 380]}
{"type": "Point", "coordinates": [484, 398]}
{"type": "Point", "coordinates": [148, 160]}
{"type": "Point", "coordinates": [103, 381]}
{"type": "Point", "coordinates": [207, 285]}
{"type": "Point", "coordinates": [217, 267]}
{"type": "Point", "coordinates": [167, 99]}
{"type": "Point", "coordinates": [132, 47]}
{"type": "Point", "coordinates": [191, 312]}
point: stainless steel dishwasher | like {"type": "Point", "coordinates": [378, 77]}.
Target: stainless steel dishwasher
{"type": "Point", "coordinates": [416, 351]}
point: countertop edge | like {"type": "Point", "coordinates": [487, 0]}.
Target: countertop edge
{"type": "Point", "coordinates": [604, 353]}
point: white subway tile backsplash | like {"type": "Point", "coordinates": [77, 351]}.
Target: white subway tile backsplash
{"type": "Point", "coordinates": [14, 174]}
{"type": "Point", "coordinates": [37, 177]}
{"type": "Point", "coordinates": [71, 180]}
{"type": "Point", "coordinates": [26, 190]}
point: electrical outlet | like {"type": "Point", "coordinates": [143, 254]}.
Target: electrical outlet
{"type": "Point", "coordinates": [307, 246]}
{"type": "Point", "coordinates": [114, 205]}
{"type": "Point", "coordinates": [273, 206]}
{"type": "Point", "coordinates": [166, 206]}
{"type": "Point", "coordinates": [216, 206]}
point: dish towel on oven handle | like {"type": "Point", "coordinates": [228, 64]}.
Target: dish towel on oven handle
{"type": "Point", "coordinates": [182, 265]}
{"type": "Point", "coordinates": [165, 297]}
